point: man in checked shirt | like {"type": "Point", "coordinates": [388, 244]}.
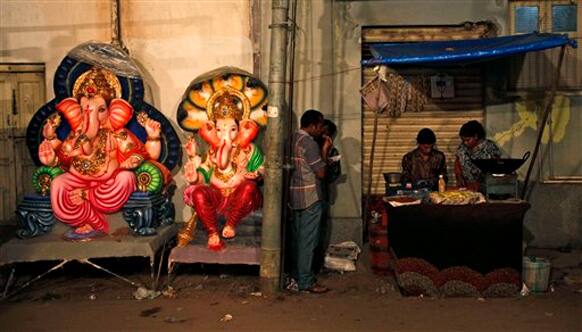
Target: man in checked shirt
{"type": "Point", "coordinates": [307, 198]}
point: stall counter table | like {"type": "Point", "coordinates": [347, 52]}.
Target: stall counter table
{"type": "Point", "coordinates": [483, 236]}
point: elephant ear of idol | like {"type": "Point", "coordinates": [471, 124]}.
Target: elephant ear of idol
{"type": "Point", "coordinates": [193, 109]}
{"type": "Point", "coordinates": [82, 65]}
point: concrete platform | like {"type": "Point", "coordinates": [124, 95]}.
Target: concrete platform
{"type": "Point", "coordinates": [233, 254]}
{"type": "Point", "coordinates": [119, 243]}
{"type": "Point", "coordinates": [245, 248]}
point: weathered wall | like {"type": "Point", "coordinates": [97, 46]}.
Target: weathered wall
{"type": "Point", "coordinates": [176, 40]}
{"type": "Point", "coordinates": [328, 74]}
{"type": "Point", "coordinates": [172, 40]}
{"type": "Point", "coordinates": [44, 31]}
{"type": "Point", "coordinates": [555, 217]}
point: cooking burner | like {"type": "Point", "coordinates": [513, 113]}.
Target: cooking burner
{"type": "Point", "coordinates": [502, 186]}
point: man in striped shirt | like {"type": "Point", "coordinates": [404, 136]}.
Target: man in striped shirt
{"type": "Point", "coordinates": [307, 197]}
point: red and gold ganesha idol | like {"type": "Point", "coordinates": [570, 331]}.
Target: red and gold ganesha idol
{"type": "Point", "coordinates": [97, 156]}
{"type": "Point", "coordinates": [225, 108]}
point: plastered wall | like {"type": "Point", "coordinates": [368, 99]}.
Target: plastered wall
{"type": "Point", "coordinates": [328, 78]}
{"type": "Point", "coordinates": [173, 41]}
{"type": "Point", "coordinates": [330, 32]}
{"type": "Point", "coordinates": [555, 217]}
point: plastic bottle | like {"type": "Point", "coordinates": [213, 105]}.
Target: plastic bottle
{"type": "Point", "coordinates": [442, 184]}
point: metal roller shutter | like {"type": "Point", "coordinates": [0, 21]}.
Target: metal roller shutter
{"type": "Point", "coordinates": [397, 136]}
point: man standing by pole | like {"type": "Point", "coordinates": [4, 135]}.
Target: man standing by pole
{"type": "Point", "coordinates": [307, 198]}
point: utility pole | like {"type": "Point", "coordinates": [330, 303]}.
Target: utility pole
{"type": "Point", "coordinates": [277, 114]}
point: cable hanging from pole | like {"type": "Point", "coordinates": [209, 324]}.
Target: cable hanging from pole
{"type": "Point", "coordinates": [116, 39]}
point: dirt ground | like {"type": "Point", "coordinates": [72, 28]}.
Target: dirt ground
{"type": "Point", "coordinates": [79, 298]}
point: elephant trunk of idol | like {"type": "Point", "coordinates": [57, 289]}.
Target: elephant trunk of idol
{"type": "Point", "coordinates": [223, 154]}
{"type": "Point", "coordinates": [91, 124]}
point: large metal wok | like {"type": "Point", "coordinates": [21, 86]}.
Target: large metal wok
{"type": "Point", "coordinates": [501, 165]}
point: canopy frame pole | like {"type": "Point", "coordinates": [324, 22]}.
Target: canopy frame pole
{"type": "Point", "coordinates": [367, 201]}
{"type": "Point", "coordinates": [372, 152]}
{"type": "Point", "coordinates": [546, 114]}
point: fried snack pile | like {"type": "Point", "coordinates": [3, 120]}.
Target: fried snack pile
{"type": "Point", "coordinates": [456, 197]}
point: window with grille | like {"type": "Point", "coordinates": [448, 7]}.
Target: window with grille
{"type": "Point", "coordinates": [527, 19]}
{"type": "Point", "coordinates": [564, 18]}
{"type": "Point", "coordinates": [535, 71]}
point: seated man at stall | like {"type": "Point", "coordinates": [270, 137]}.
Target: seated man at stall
{"type": "Point", "coordinates": [423, 165]}
{"type": "Point", "coordinates": [473, 145]}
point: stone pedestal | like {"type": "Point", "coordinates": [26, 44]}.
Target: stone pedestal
{"type": "Point", "coordinates": [144, 212]}
{"type": "Point", "coordinates": [35, 216]}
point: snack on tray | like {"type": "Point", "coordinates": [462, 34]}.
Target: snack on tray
{"type": "Point", "coordinates": [401, 200]}
{"type": "Point", "coordinates": [456, 197]}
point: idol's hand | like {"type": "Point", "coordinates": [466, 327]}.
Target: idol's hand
{"type": "Point", "coordinates": [50, 126]}
{"type": "Point", "coordinates": [191, 169]}
{"type": "Point", "coordinates": [46, 153]}
{"type": "Point", "coordinates": [191, 147]}
{"type": "Point", "coordinates": [132, 162]}
{"type": "Point", "coordinates": [251, 175]}
{"type": "Point", "coordinates": [152, 128]}
{"type": "Point", "coordinates": [78, 196]}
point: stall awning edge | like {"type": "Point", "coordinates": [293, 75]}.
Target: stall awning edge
{"type": "Point", "coordinates": [463, 51]}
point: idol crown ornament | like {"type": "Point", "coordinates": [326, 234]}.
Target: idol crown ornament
{"type": "Point", "coordinates": [228, 106]}
{"type": "Point", "coordinates": [97, 81]}
{"type": "Point", "coordinates": [226, 92]}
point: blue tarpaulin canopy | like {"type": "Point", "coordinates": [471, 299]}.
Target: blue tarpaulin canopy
{"type": "Point", "coordinates": [463, 51]}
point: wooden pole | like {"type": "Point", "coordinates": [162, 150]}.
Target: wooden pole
{"type": "Point", "coordinates": [371, 167]}
{"type": "Point", "coordinates": [546, 115]}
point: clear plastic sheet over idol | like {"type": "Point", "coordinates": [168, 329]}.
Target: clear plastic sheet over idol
{"type": "Point", "coordinates": [106, 56]}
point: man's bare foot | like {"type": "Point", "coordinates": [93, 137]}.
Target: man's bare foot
{"type": "Point", "coordinates": [228, 232]}
{"type": "Point", "coordinates": [214, 242]}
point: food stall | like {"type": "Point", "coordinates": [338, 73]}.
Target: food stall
{"type": "Point", "coordinates": [457, 242]}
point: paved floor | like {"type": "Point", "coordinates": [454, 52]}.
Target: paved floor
{"type": "Point", "coordinates": [78, 298]}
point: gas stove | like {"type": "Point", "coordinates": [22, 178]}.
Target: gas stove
{"type": "Point", "coordinates": [501, 186]}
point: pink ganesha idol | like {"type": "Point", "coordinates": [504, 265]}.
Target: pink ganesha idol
{"type": "Point", "coordinates": [97, 156]}
{"type": "Point", "coordinates": [224, 106]}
